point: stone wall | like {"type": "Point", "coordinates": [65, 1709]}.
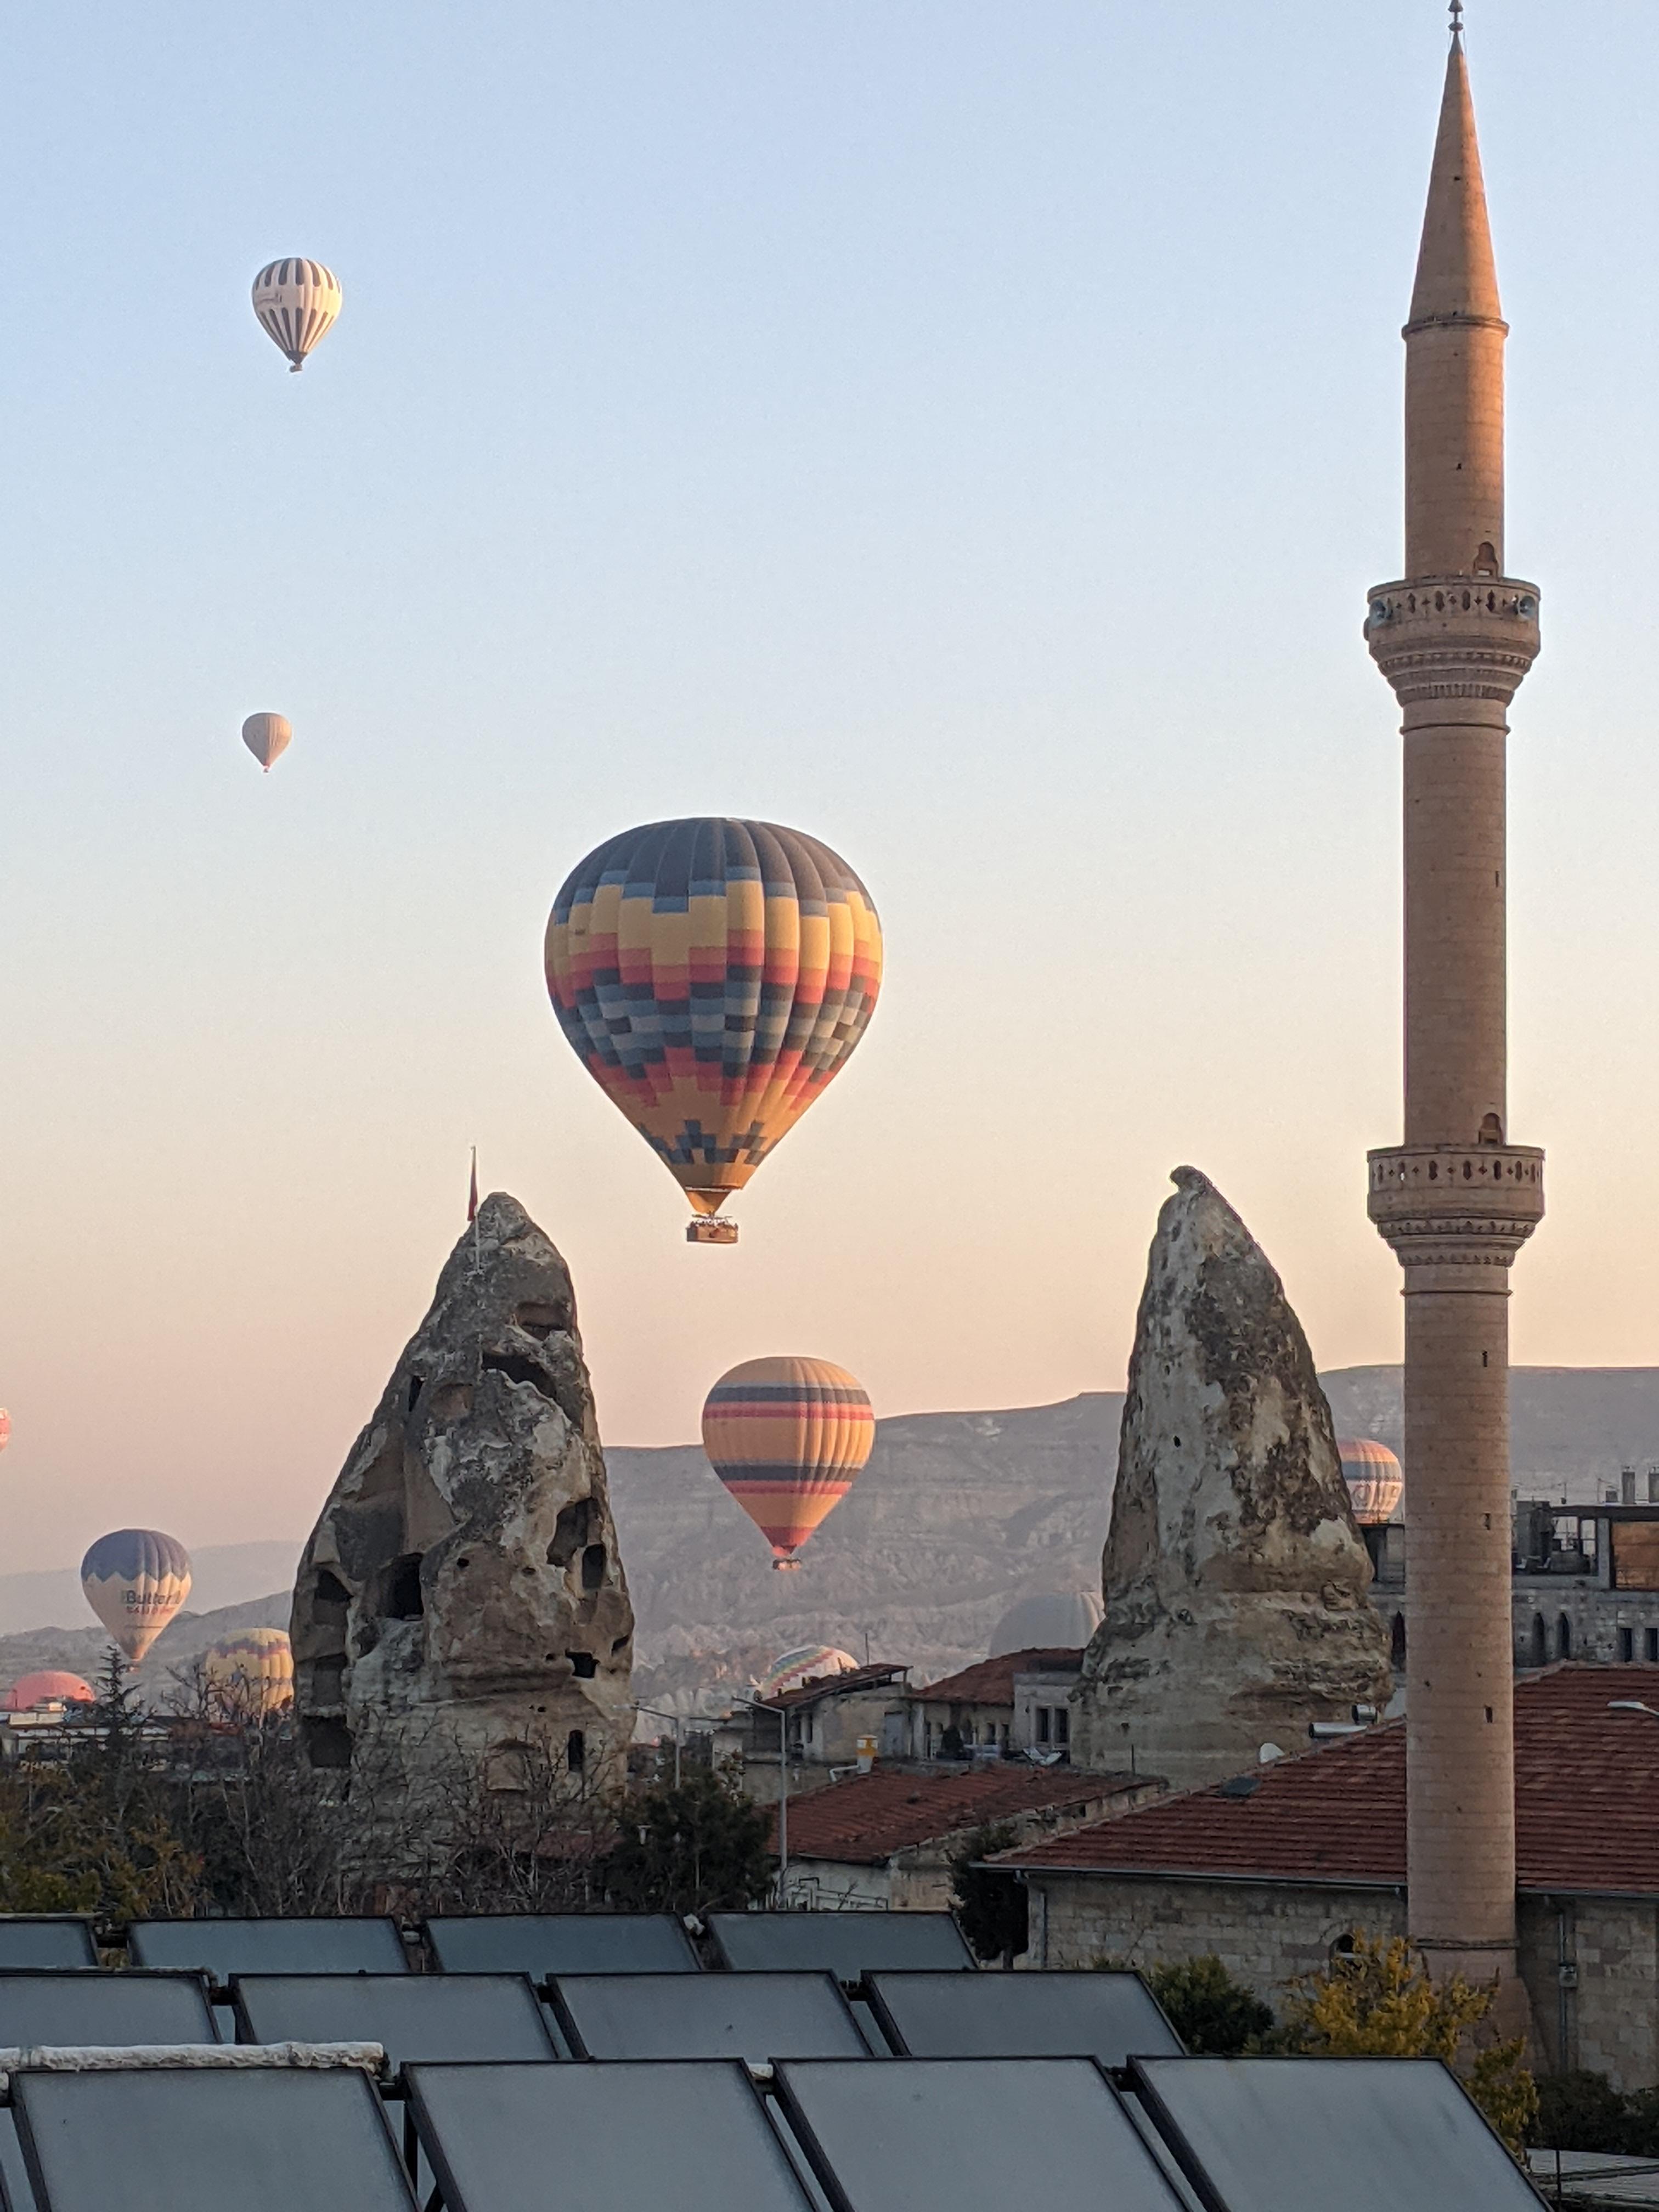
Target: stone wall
{"type": "Point", "coordinates": [1269, 1933]}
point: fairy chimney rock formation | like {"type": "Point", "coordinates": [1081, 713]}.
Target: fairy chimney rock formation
{"type": "Point", "coordinates": [462, 1591]}
{"type": "Point", "coordinates": [1234, 1576]}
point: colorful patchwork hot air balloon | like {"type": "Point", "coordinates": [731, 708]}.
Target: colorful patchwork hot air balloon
{"type": "Point", "coordinates": [5, 1428]}
{"type": "Point", "coordinates": [135, 1580]}
{"type": "Point", "coordinates": [786, 1438]}
{"type": "Point", "coordinates": [712, 975]}
{"type": "Point", "coordinates": [267, 737]}
{"type": "Point", "coordinates": [297, 302]}
{"type": "Point", "coordinates": [1375, 1481]}
{"type": "Point", "coordinates": [250, 1676]}
{"type": "Point", "coordinates": [811, 1664]}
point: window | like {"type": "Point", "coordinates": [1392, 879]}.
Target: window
{"type": "Point", "coordinates": [1540, 1642]}
{"type": "Point", "coordinates": [1397, 1642]}
{"type": "Point", "coordinates": [1563, 1637]}
{"type": "Point", "coordinates": [404, 1600]}
{"type": "Point", "coordinates": [1626, 1645]}
{"type": "Point", "coordinates": [1062, 1724]}
{"type": "Point", "coordinates": [1042, 1720]}
{"type": "Point", "coordinates": [1651, 1638]}
{"type": "Point", "coordinates": [575, 1751]}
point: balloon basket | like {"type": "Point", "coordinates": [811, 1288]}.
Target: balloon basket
{"type": "Point", "coordinates": [785, 1566]}
{"type": "Point", "coordinates": [711, 1229]}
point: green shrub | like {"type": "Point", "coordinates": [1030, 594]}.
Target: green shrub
{"type": "Point", "coordinates": [1214, 2015]}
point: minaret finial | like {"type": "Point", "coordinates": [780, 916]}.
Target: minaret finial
{"type": "Point", "coordinates": [1456, 21]}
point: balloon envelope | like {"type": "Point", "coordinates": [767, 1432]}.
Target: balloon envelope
{"type": "Point", "coordinates": [712, 975]}
{"type": "Point", "coordinates": [251, 1675]}
{"type": "Point", "coordinates": [297, 301]}
{"type": "Point", "coordinates": [49, 1686]}
{"type": "Point", "coordinates": [267, 737]}
{"type": "Point", "coordinates": [1375, 1479]}
{"type": "Point", "coordinates": [786, 1437]}
{"type": "Point", "coordinates": [5, 1428]}
{"type": "Point", "coordinates": [136, 1580]}
{"type": "Point", "coordinates": [811, 1664]}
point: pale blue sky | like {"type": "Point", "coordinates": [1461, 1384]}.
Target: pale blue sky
{"type": "Point", "coordinates": [964, 432]}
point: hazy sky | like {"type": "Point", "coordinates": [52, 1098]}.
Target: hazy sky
{"type": "Point", "coordinates": [964, 431]}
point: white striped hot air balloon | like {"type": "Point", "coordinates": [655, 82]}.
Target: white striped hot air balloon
{"type": "Point", "coordinates": [296, 301]}
{"type": "Point", "coordinates": [1375, 1481]}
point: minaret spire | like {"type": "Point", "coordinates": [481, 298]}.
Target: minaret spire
{"type": "Point", "coordinates": [1457, 1199]}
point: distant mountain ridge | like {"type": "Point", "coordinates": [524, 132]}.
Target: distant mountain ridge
{"type": "Point", "coordinates": [956, 1516]}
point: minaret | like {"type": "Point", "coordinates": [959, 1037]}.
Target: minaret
{"type": "Point", "coordinates": [1457, 1200]}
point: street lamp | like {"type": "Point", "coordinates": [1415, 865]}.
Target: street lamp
{"type": "Point", "coordinates": [657, 1714]}
{"type": "Point", "coordinates": [755, 1705]}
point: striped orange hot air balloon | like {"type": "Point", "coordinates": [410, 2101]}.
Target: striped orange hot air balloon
{"type": "Point", "coordinates": [786, 1437]}
{"type": "Point", "coordinates": [712, 975]}
{"type": "Point", "coordinates": [1375, 1481]}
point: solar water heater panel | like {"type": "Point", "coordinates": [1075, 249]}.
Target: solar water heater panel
{"type": "Point", "coordinates": [692, 2136]}
{"type": "Point", "coordinates": [543, 1943]}
{"type": "Point", "coordinates": [752, 2016]}
{"type": "Point", "coordinates": [438, 2017]}
{"type": "Point", "coordinates": [845, 1944]}
{"type": "Point", "coordinates": [1300, 2134]}
{"type": "Point", "coordinates": [1031, 2015]}
{"type": "Point", "coordinates": [177, 2140]}
{"type": "Point", "coordinates": [103, 2008]}
{"type": "Point", "coordinates": [28, 1940]}
{"type": "Point", "coordinates": [221, 1948]}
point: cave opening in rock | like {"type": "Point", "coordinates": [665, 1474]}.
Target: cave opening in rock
{"type": "Point", "coordinates": [404, 1600]}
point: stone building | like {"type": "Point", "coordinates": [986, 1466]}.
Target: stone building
{"type": "Point", "coordinates": [462, 1596]}
{"type": "Point", "coordinates": [1018, 1702]}
{"type": "Point", "coordinates": [884, 1840]}
{"type": "Point", "coordinates": [824, 1725]}
{"type": "Point", "coordinates": [1453, 637]}
{"type": "Point", "coordinates": [1275, 1868]}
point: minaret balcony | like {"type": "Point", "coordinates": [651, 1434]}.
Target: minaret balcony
{"type": "Point", "coordinates": [1471, 1202]}
{"type": "Point", "coordinates": [1453, 637]}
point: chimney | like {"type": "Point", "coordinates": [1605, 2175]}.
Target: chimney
{"type": "Point", "coordinates": [1627, 1485]}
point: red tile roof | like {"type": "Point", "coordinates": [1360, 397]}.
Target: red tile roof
{"type": "Point", "coordinates": [1587, 1803]}
{"type": "Point", "coordinates": [871, 1816]}
{"type": "Point", "coordinates": [833, 1686]}
{"type": "Point", "coordinates": [992, 1682]}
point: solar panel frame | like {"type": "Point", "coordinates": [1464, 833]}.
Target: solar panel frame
{"type": "Point", "coordinates": [602, 2114]}
{"type": "Point", "coordinates": [21, 1933]}
{"type": "Point", "coordinates": [564, 1943]}
{"type": "Point", "coordinates": [58, 1988]}
{"type": "Point", "coordinates": [223, 1949]}
{"type": "Point", "coordinates": [996, 1996]}
{"type": "Point", "coordinates": [580, 2002]}
{"type": "Point", "coordinates": [1410, 2167]}
{"type": "Point", "coordinates": [975, 2127]}
{"type": "Point", "coordinates": [76, 2129]}
{"type": "Point", "coordinates": [740, 1939]}
{"type": "Point", "coordinates": [377, 1999]}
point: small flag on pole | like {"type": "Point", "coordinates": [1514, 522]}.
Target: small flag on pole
{"type": "Point", "coordinates": [472, 1194]}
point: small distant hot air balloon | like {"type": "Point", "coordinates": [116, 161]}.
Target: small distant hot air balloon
{"type": "Point", "coordinates": [811, 1664]}
{"type": "Point", "coordinates": [267, 737]}
{"type": "Point", "coordinates": [49, 1687]}
{"type": "Point", "coordinates": [712, 975]}
{"type": "Point", "coordinates": [136, 1580]}
{"type": "Point", "coordinates": [250, 1676]}
{"type": "Point", "coordinates": [296, 301]}
{"type": "Point", "coordinates": [786, 1438]}
{"type": "Point", "coordinates": [5, 1428]}
{"type": "Point", "coordinates": [1375, 1481]}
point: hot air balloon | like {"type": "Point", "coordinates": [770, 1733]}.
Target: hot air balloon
{"type": "Point", "coordinates": [5, 1428]}
{"type": "Point", "coordinates": [296, 301]}
{"type": "Point", "coordinates": [250, 1676]}
{"type": "Point", "coordinates": [136, 1579]}
{"type": "Point", "coordinates": [712, 975]}
{"type": "Point", "coordinates": [267, 737]}
{"type": "Point", "coordinates": [809, 1664]}
{"type": "Point", "coordinates": [50, 1687]}
{"type": "Point", "coordinates": [786, 1438]}
{"type": "Point", "coordinates": [1375, 1481]}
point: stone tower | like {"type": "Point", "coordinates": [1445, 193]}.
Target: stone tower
{"type": "Point", "coordinates": [1457, 1199]}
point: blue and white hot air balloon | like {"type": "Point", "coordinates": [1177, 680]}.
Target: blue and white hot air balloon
{"type": "Point", "coordinates": [135, 1580]}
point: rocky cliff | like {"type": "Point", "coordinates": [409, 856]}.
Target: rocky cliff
{"type": "Point", "coordinates": [1234, 1577]}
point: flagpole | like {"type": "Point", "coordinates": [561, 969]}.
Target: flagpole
{"type": "Point", "coordinates": [472, 1214]}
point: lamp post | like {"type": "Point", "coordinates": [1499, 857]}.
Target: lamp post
{"type": "Point", "coordinates": [657, 1714]}
{"type": "Point", "coordinates": [755, 1705]}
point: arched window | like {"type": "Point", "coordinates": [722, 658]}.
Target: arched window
{"type": "Point", "coordinates": [1540, 1641]}
{"type": "Point", "coordinates": [1563, 1637]}
{"type": "Point", "coordinates": [1397, 1642]}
